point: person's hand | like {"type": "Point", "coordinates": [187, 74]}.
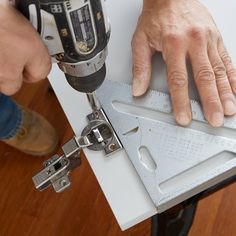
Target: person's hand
{"type": "Point", "coordinates": [23, 56]}
{"type": "Point", "coordinates": [182, 30]}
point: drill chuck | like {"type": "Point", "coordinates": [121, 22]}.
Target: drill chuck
{"type": "Point", "coordinates": [87, 84]}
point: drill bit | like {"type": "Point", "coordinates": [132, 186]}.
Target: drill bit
{"type": "Point", "coordinates": [93, 101]}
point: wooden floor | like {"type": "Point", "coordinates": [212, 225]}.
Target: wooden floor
{"type": "Point", "coordinates": [82, 210]}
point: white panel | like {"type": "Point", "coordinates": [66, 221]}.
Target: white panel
{"type": "Point", "coordinates": [120, 183]}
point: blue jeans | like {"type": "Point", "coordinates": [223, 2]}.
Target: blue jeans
{"type": "Point", "coordinates": [10, 117]}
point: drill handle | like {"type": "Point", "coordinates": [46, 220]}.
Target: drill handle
{"type": "Point", "coordinates": [31, 10]}
{"type": "Point", "coordinates": [44, 23]}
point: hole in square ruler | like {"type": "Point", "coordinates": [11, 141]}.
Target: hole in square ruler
{"type": "Point", "coordinates": [132, 131]}
{"type": "Point", "coordinates": [146, 159]}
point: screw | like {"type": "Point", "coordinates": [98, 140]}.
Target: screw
{"type": "Point", "coordinates": [96, 114]}
{"type": "Point", "coordinates": [112, 147]}
{"type": "Point", "coordinates": [47, 163]}
{"type": "Point", "coordinates": [49, 37]}
{"type": "Point", "coordinates": [63, 183]}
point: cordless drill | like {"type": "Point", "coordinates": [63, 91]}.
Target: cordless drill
{"type": "Point", "coordinates": [76, 33]}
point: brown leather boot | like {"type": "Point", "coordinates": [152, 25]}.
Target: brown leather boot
{"type": "Point", "coordinates": [36, 136]}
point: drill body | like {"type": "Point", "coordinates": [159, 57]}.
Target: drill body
{"type": "Point", "coordinates": [76, 33]}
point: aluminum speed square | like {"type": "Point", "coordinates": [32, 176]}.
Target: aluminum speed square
{"type": "Point", "coordinates": [174, 163]}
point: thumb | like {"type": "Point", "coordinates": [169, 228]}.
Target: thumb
{"type": "Point", "coordinates": [142, 63]}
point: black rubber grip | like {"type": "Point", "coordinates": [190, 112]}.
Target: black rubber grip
{"type": "Point", "coordinates": [89, 83]}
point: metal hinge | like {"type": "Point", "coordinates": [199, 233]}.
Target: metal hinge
{"type": "Point", "coordinates": [97, 135]}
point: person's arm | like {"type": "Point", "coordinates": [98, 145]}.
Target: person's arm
{"type": "Point", "coordinates": [23, 56]}
{"type": "Point", "coordinates": [181, 30]}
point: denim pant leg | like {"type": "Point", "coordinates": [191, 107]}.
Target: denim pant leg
{"type": "Point", "coordinates": [10, 117]}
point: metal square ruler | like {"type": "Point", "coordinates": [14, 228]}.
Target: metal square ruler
{"type": "Point", "coordinates": [173, 162]}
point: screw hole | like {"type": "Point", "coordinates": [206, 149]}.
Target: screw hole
{"type": "Point", "coordinates": [49, 37]}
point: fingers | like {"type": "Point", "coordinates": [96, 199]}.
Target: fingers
{"type": "Point", "coordinates": [39, 63]}
{"type": "Point", "coordinates": [227, 98]}
{"type": "Point", "coordinates": [34, 73]}
{"type": "Point", "coordinates": [206, 84]}
{"type": "Point", "coordinates": [34, 54]}
{"type": "Point", "coordinates": [230, 69]}
{"type": "Point", "coordinates": [10, 87]}
{"type": "Point", "coordinates": [178, 86]}
{"type": "Point", "coordinates": [142, 56]}
{"type": "Point", "coordinates": [22, 53]}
